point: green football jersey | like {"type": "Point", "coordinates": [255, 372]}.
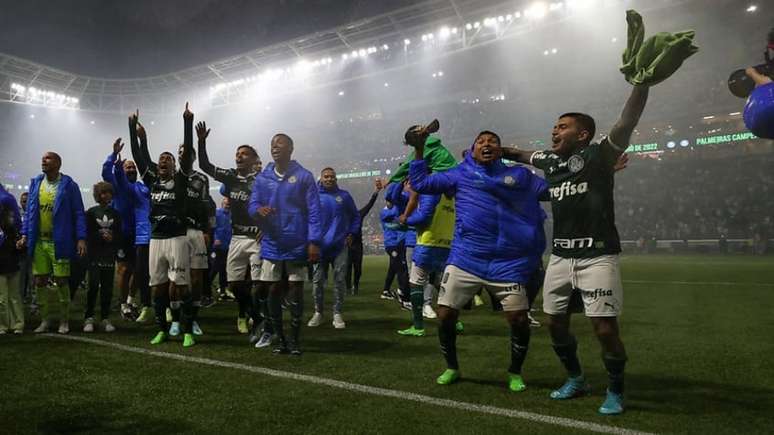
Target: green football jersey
{"type": "Point", "coordinates": [581, 190]}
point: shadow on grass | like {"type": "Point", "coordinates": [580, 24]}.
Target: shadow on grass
{"type": "Point", "coordinates": [674, 395]}
{"type": "Point", "coordinates": [101, 418]}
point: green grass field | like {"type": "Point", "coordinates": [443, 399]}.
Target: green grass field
{"type": "Point", "coordinates": [697, 329]}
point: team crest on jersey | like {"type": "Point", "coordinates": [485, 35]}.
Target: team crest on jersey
{"type": "Point", "coordinates": [339, 198]}
{"type": "Point", "coordinates": [509, 181]}
{"type": "Point", "coordinates": [575, 164]}
{"type": "Point", "coordinates": [292, 179]}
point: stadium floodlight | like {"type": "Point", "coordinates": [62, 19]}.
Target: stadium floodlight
{"type": "Point", "coordinates": [536, 11]}
{"type": "Point", "coordinates": [500, 19]}
{"type": "Point", "coordinates": [454, 30]}
{"type": "Point", "coordinates": [344, 56]}
{"type": "Point", "coordinates": [545, 53]}
{"type": "Point", "coordinates": [385, 47]}
{"type": "Point", "coordinates": [371, 50]}
{"type": "Point", "coordinates": [92, 122]}
{"type": "Point", "coordinates": [517, 14]}
{"type": "Point", "coordinates": [734, 113]}
{"type": "Point", "coordinates": [509, 17]}
{"type": "Point", "coordinates": [362, 52]}
{"type": "Point", "coordinates": [469, 26]}
{"type": "Point", "coordinates": [555, 6]}
{"type": "Point", "coordinates": [752, 8]}
{"type": "Point", "coordinates": [444, 32]}
{"type": "Point", "coordinates": [33, 95]}
{"type": "Point", "coordinates": [476, 25]}
{"type": "Point", "coordinates": [386, 85]}
{"type": "Point", "coordinates": [684, 143]}
{"type": "Point", "coordinates": [32, 116]}
{"type": "Point", "coordinates": [341, 93]}
{"type": "Point", "coordinates": [406, 41]}
{"type": "Point", "coordinates": [435, 75]}
{"type": "Point", "coordinates": [490, 22]}
{"type": "Point", "coordinates": [709, 117]}
{"type": "Point", "coordinates": [424, 38]}
{"type": "Point", "coordinates": [554, 50]}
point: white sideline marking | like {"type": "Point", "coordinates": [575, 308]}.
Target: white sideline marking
{"type": "Point", "coordinates": [376, 391]}
{"type": "Point", "coordinates": [734, 283]}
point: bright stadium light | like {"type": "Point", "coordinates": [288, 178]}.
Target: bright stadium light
{"type": "Point", "coordinates": [33, 95]}
{"type": "Point", "coordinates": [386, 85]}
{"type": "Point", "coordinates": [406, 41]}
{"type": "Point", "coordinates": [385, 47]}
{"type": "Point", "coordinates": [454, 30]}
{"type": "Point", "coordinates": [555, 6]}
{"type": "Point", "coordinates": [344, 56]}
{"type": "Point", "coordinates": [545, 53]}
{"type": "Point", "coordinates": [469, 26]}
{"type": "Point", "coordinates": [362, 52]}
{"type": "Point", "coordinates": [752, 8]}
{"type": "Point", "coordinates": [476, 25]}
{"type": "Point", "coordinates": [341, 93]}
{"type": "Point", "coordinates": [444, 32]}
{"type": "Point", "coordinates": [517, 14]}
{"type": "Point", "coordinates": [500, 19]}
{"type": "Point", "coordinates": [554, 50]}
{"type": "Point", "coordinates": [536, 11]}
{"type": "Point", "coordinates": [509, 17]}
{"type": "Point", "coordinates": [490, 22]}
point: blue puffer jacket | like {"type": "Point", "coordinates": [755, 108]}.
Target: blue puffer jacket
{"type": "Point", "coordinates": [69, 217]}
{"type": "Point", "coordinates": [139, 199]}
{"type": "Point", "coordinates": [393, 234]}
{"type": "Point", "coordinates": [296, 219]}
{"type": "Point", "coordinates": [498, 229]}
{"type": "Point", "coordinates": [339, 218]}
{"type": "Point", "coordinates": [121, 199]}
{"type": "Point", "coordinates": [395, 194]}
{"type": "Point", "coordinates": [222, 229]}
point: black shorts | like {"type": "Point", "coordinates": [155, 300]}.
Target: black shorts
{"type": "Point", "coordinates": [127, 252]}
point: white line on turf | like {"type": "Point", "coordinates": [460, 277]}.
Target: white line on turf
{"type": "Point", "coordinates": [376, 391]}
{"type": "Point", "coordinates": [707, 283]}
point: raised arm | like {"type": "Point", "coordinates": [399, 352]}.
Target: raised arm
{"type": "Point", "coordinates": [621, 133]}
{"type": "Point", "coordinates": [107, 167]}
{"type": "Point", "coordinates": [202, 132]}
{"type": "Point", "coordinates": [186, 159]}
{"type": "Point", "coordinates": [354, 225]}
{"type": "Point", "coordinates": [363, 212]}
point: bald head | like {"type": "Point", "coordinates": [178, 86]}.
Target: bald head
{"type": "Point", "coordinates": [51, 163]}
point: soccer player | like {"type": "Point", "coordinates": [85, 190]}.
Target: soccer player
{"type": "Point", "coordinates": [395, 246]}
{"type": "Point", "coordinates": [497, 233]}
{"type": "Point", "coordinates": [434, 222]}
{"type": "Point", "coordinates": [201, 220]}
{"type": "Point", "coordinates": [11, 307]}
{"type": "Point", "coordinates": [286, 204]}
{"type": "Point", "coordinates": [243, 263]}
{"type": "Point", "coordinates": [341, 220]}
{"type": "Point", "coordinates": [103, 232]}
{"type": "Point", "coordinates": [138, 194]}
{"type": "Point", "coordinates": [54, 233]}
{"type": "Point", "coordinates": [220, 243]}
{"type": "Point", "coordinates": [169, 251]}
{"type": "Point", "coordinates": [355, 257]}
{"type": "Point", "coordinates": [584, 260]}
{"type": "Point", "coordinates": [128, 199]}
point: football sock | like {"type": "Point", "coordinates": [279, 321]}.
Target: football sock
{"type": "Point", "coordinates": [417, 299]}
{"type": "Point", "coordinates": [296, 312]}
{"type": "Point", "coordinates": [568, 355]}
{"type": "Point", "coordinates": [615, 365]}
{"type": "Point", "coordinates": [174, 307]}
{"type": "Point", "coordinates": [275, 315]}
{"type": "Point", "coordinates": [160, 304]}
{"type": "Point", "coordinates": [43, 302]}
{"type": "Point", "coordinates": [447, 336]}
{"type": "Point", "coordinates": [519, 347]}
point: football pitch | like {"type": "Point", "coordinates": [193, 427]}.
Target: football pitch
{"type": "Point", "coordinates": [698, 332]}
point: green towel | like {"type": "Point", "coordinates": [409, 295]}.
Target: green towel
{"type": "Point", "coordinates": [438, 159]}
{"type": "Point", "coordinates": [649, 62]}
